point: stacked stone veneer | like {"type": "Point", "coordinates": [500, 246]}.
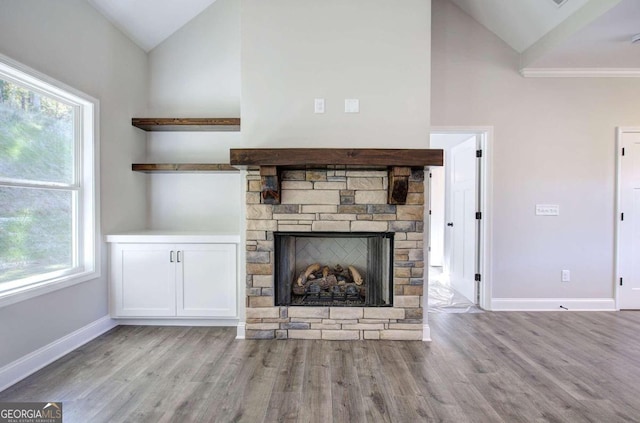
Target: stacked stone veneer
{"type": "Point", "coordinates": [335, 200]}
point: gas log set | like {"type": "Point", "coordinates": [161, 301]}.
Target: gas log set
{"type": "Point", "coordinates": [322, 284]}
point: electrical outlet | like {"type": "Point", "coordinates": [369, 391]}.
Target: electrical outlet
{"type": "Point", "coordinates": [318, 105]}
{"type": "Point", "coordinates": [566, 276]}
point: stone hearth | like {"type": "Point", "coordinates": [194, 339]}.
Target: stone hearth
{"type": "Point", "coordinates": [335, 200]}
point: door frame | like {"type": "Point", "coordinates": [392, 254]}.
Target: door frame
{"type": "Point", "coordinates": [485, 205]}
{"type": "Point", "coordinates": [620, 131]}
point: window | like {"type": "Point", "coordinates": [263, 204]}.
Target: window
{"type": "Point", "coordinates": [47, 183]}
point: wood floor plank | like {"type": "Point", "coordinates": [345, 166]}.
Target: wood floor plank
{"type": "Point", "coordinates": [244, 378]}
{"type": "Point", "coordinates": [485, 367]}
{"type": "Point", "coordinates": [465, 401]}
{"type": "Point", "coordinates": [373, 385]}
{"type": "Point", "coordinates": [436, 390]}
{"type": "Point", "coordinates": [542, 382]}
{"type": "Point", "coordinates": [316, 390]}
{"type": "Point", "coordinates": [346, 398]}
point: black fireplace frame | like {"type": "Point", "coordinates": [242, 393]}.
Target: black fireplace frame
{"type": "Point", "coordinates": [283, 271]}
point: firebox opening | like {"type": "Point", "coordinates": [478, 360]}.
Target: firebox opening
{"type": "Point", "coordinates": [334, 269]}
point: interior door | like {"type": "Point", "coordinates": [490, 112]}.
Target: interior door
{"type": "Point", "coordinates": [462, 223]}
{"type": "Point", "coordinates": [629, 244]}
{"type": "Point", "coordinates": [437, 220]}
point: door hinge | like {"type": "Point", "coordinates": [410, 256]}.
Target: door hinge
{"type": "Point", "coordinates": [478, 215]}
{"type": "Point", "coordinates": [621, 216]}
{"type": "Point", "coordinates": [478, 277]}
{"type": "Point", "coordinates": [478, 153]}
{"type": "Point", "coordinates": [620, 281]}
{"type": "Point", "coordinates": [623, 151]}
{"type": "Point", "coordinates": [429, 212]}
{"type": "Point", "coordinates": [430, 175]}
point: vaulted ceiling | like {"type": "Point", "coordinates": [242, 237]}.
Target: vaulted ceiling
{"type": "Point", "coordinates": [549, 34]}
{"type": "Point", "coordinates": [520, 23]}
{"type": "Point", "coordinates": [149, 22]}
{"type": "Point", "coordinates": [603, 43]}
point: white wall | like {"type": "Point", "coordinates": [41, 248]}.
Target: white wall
{"type": "Point", "coordinates": [196, 73]}
{"type": "Point", "coordinates": [292, 52]}
{"type": "Point", "coordinates": [195, 202]}
{"type": "Point", "coordinates": [554, 144]}
{"type": "Point", "coordinates": [69, 41]}
{"type": "Point", "coordinates": [377, 51]}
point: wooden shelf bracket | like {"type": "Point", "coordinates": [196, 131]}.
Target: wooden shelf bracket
{"type": "Point", "coordinates": [398, 184]}
{"type": "Point", "coordinates": [270, 180]}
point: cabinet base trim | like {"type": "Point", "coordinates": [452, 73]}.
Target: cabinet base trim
{"type": "Point", "coordinates": [240, 334]}
{"type": "Point", "coordinates": [177, 322]}
{"type": "Point", "coordinates": [426, 333]}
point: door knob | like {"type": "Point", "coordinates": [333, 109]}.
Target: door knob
{"type": "Point", "coordinates": [450, 224]}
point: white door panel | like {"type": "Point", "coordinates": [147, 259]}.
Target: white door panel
{"type": "Point", "coordinates": [437, 222]}
{"type": "Point", "coordinates": [629, 250]}
{"type": "Point", "coordinates": [463, 208]}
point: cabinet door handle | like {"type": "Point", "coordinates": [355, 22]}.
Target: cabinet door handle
{"type": "Point", "coordinates": [179, 256]}
{"type": "Point", "coordinates": [171, 256]}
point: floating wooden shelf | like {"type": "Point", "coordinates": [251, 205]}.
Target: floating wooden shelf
{"type": "Point", "coordinates": [349, 157]}
{"type": "Point", "coordinates": [182, 167]}
{"type": "Point", "coordinates": [187, 124]}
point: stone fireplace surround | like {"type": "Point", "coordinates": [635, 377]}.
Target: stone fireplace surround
{"type": "Point", "coordinates": [335, 199]}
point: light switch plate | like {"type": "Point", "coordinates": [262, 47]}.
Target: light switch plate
{"type": "Point", "coordinates": [318, 105]}
{"type": "Point", "coordinates": [547, 210]}
{"type": "Point", "coordinates": [351, 105]}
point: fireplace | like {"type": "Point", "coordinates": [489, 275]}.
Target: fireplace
{"type": "Point", "coordinates": [333, 269]}
{"type": "Point", "coordinates": [326, 209]}
{"type": "Point", "coordinates": [297, 197]}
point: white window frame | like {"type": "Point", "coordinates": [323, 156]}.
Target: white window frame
{"type": "Point", "coordinates": [88, 171]}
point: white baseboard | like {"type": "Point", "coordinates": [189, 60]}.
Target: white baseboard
{"type": "Point", "coordinates": [32, 362]}
{"type": "Point", "coordinates": [580, 72]}
{"type": "Point", "coordinates": [553, 304]}
{"type": "Point", "coordinates": [426, 333]}
{"type": "Point", "coordinates": [240, 334]}
{"type": "Point", "coordinates": [176, 322]}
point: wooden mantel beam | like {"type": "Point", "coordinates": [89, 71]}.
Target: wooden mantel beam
{"type": "Point", "coordinates": [399, 163]}
{"type": "Point", "coordinates": [361, 157]}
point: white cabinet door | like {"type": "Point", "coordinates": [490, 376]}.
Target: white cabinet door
{"type": "Point", "coordinates": [206, 280]}
{"type": "Point", "coordinates": [144, 280]}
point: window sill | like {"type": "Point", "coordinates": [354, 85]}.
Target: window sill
{"type": "Point", "coordinates": [24, 293]}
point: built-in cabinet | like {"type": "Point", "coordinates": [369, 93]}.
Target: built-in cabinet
{"type": "Point", "coordinates": [158, 279]}
{"type": "Point", "coordinates": [165, 277]}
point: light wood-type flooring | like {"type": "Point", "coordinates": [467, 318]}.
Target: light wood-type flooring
{"type": "Point", "coordinates": [488, 367]}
